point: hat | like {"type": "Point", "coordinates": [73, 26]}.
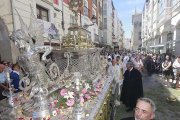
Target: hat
{"type": "Point", "coordinates": [171, 99]}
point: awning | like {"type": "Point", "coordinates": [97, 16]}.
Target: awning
{"type": "Point", "coordinates": [163, 44]}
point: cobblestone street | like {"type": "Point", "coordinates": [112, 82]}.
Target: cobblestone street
{"type": "Point", "coordinates": [154, 90]}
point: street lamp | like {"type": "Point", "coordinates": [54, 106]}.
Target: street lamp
{"type": "Point", "coordinates": [93, 22]}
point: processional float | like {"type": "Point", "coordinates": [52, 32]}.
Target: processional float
{"type": "Point", "coordinates": [72, 85]}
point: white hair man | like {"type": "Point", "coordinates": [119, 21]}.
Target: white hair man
{"type": "Point", "coordinates": [145, 110]}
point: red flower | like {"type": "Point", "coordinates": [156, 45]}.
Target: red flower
{"type": "Point", "coordinates": [61, 106]}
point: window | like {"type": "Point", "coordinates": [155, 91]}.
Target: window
{"type": "Point", "coordinates": [56, 2]}
{"type": "Point", "coordinates": [86, 3]}
{"type": "Point", "coordinates": [72, 20]}
{"type": "Point", "coordinates": [94, 12]}
{"type": "Point", "coordinates": [42, 13]}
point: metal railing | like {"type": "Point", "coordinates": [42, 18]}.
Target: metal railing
{"type": "Point", "coordinates": [86, 11]}
{"type": "Point", "coordinates": [101, 25]}
{"type": "Point", "coordinates": [100, 10]}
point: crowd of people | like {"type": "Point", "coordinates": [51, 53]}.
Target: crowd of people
{"type": "Point", "coordinates": [128, 67]}
{"type": "Point", "coordinates": [13, 71]}
{"type": "Point", "coordinates": [152, 64]}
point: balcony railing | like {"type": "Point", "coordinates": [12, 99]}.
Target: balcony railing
{"type": "Point", "coordinates": [101, 25]}
{"type": "Point", "coordinates": [166, 13]}
{"type": "Point", "coordinates": [86, 11]}
{"type": "Point", "coordinates": [100, 10]}
{"type": "Point", "coordinates": [95, 2]}
{"type": "Point", "coordinates": [96, 38]}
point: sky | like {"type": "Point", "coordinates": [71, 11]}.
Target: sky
{"type": "Point", "coordinates": [125, 9]}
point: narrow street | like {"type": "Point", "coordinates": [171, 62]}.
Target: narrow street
{"type": "Point", "coordinates": [153, 89]}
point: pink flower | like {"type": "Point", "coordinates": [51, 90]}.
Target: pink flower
{"type": "Point", "coordinates": [92, 93]}
{"type": "Point", "coordinates": [64, 92]}
{"type": "Point", "coordinates": [55, 102]}
{"type": "Point", "coordinates": [60, 106]}
{"type": "Point", "coordinates": [84, 91]}
{"type": "Point", "coordinates": [87, 96]}
{"type": "Point", "coordinates": [75, 94]}
{"type": "Point", "coordinates": [81, 99]}
{"type": "Point", "coordinates": [70, 102]}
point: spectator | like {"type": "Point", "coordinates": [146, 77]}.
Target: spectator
{"type": "Point", "coordinates": [158, 65]}
{"type": "Point", "coordinates": [3, 81]}
{"type": "Point", "coordinates": [145, 110]}
{"type": "Point", "coordinates": [153, 64]}
{"type": "Point", "coordinates": [15, 77]}
{"type": "Point", "coordinates": [176, 65]}
{"type": "Point", "coordinates": [167, 67]}
{"type": "Point", "coordinates": [138, 64]}
{"type": "Point", "coordinates": [133, 57]}
{"type": "Point", "coordinates": [10, 66]}
{"type": "Point", "coordinates": [148, 65]}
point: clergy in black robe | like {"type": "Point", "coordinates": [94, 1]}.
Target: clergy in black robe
{"type": "Point", "coordinates": [132, 88]}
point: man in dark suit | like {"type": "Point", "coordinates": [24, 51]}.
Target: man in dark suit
{"type": "Point", "coordinates": [132, 88]}
{"type": "Point", "coordinates": [145, 110]}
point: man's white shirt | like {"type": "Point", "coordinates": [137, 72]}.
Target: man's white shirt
{"type": "Point", "coordinates": [114, 71]}
{"type": "Point", "coordinates": [176, 64]}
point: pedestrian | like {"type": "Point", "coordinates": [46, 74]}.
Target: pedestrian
{"type": "Point", "coordinates": [176, 66]}
{"type": "Point", "coordinates": [3, 81]}
{"type": "Point", "coordinates": [158, 65]}
{"type": "Point", "coordinates": [133, 57]}
{"type": "Point", "coordinates": [138, 64]}
{"type": "Point", "coordinates": [167, 67]}
{"type": "Point", "coordinates": [145, 110]}
{"type": "Point", "coordinates": [132, 88]}
{"type": "Point", "coordinates": [153, 64]}
{"type": "Point", "coordinates": [148, 65]}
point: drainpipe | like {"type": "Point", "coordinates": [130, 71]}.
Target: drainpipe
{"type": "Point", "coordinates": [12, 10]}
{"type": "Point", "coordinates": [62, 23]}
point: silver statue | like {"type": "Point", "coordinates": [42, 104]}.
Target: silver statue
{"type": "Point", "coordinates": [40, 74]}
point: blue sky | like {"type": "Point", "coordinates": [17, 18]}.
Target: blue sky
{"type": "Point", "coordinates": [125, 9]}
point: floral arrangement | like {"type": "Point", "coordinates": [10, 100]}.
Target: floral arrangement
{"type": "Point", "coordinates": [67, 95]}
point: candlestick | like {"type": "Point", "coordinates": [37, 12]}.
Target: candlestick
{"type": "Point", "coordinates": [77, 84]}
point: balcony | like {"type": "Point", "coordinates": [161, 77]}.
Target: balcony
{"type": "Point", "coordinates": [101, 25]}
{"type": "Point", "coordinates": [95, 2]}
{"type": "Point", "coordinates": [100, 10]}
{"type": "Point", "coordinates": [86, 12]}
{"type": "Point", "coordinates": [176, 6]}
{"type": "Point", "coordinates": [96, 38]}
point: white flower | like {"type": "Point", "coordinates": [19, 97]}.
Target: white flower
{"type": "Point", "coordinates": [69, 95]}
{"type": "Point", "coordinates": [87, 86]}
{"type": "Point", "coordinates": [54, 113]}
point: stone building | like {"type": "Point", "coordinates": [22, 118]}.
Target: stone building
{"type": "Point", "coordinates": [136, 31]}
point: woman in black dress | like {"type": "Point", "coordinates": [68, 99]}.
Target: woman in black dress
{"type": "Point", "coordinates": [166, 67]}
{"type": "Point", "coordinates": [158, 65]}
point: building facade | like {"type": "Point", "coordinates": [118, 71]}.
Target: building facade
{"type": "Point", "coordinates": [163, 26]}
{"type": "Point", "coordinates": [136, 31]}
{"type": "Point", "coordinates": [127, 43]}
{"type": "Point", "coordinates": [107, 18]}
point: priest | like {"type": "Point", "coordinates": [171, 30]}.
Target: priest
{"type": "Point", "coordinates": [114, 70]}
{"type": "Point", "coordinates": [132, 88]}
